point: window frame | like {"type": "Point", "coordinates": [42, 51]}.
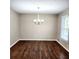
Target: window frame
{"type": "Point", "coordinates": [64, 37]}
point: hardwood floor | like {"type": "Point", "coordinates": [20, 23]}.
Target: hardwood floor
{"type": "Point", "coordinates": [38, 50]}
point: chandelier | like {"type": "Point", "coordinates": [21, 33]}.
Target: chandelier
{"type": "Point", "coordinates": [38, 21]}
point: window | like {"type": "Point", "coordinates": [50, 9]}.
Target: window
{"type": "Point", "coordinates": [65, 27]}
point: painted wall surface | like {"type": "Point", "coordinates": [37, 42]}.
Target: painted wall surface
{"type": "Point", "coordinates": [46, 30]}
{"type": "Point", "coordinates": [14, 27]}
{"type": "Point", "coordinates": [63, 42]}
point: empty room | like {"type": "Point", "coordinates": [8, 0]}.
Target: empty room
{"type": "Point", "coordinates": [39, 29]}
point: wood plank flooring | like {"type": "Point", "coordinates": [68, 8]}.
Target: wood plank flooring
{"type": "Point", "coordinates": [38, 50]}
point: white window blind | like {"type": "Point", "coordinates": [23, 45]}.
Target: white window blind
{"type": "Point", "coordinates": [65, 27]}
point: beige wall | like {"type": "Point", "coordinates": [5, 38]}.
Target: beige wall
{"type": "Point", "coordinates": [14, 27]}
{"type": "Point", "coordinates": [29, 30]}
{"type": "Point", "coordinates": [63, 42]}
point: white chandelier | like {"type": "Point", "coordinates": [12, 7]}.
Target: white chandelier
{"type": "Point", "coordinates": [38, 21]}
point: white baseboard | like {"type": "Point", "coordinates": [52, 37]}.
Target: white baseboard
{"type": "Point", "coordinates": [46, 40]}
{"type": "Point", "coordinates": [14, 43]}
{"type": "Point", "coordinates": [63, 46]}
{"type": "Point", "coordinates": [39, 39]}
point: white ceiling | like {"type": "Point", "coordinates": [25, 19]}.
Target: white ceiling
{"type": "Point", "coordinates": [46, 6]}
